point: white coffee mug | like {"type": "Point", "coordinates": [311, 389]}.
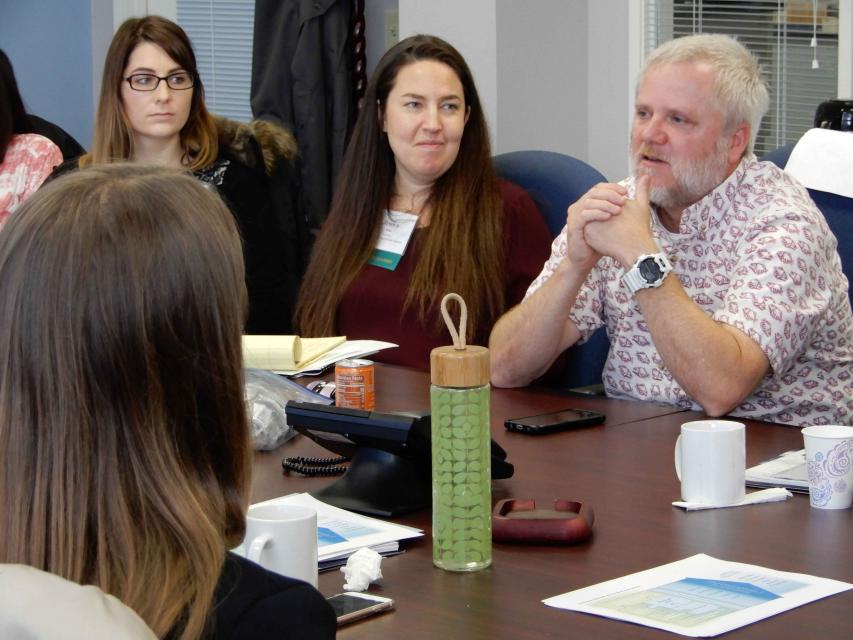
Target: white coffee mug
{"type": "Point", "coordinates": [829, 460]}
{"type": "Point", "coordinates": [283, 538]}
{"type": "Point", "coordinates": [710, 461]}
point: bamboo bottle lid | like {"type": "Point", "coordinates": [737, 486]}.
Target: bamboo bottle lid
{"type": "Point", "coordinates": [458, 365]}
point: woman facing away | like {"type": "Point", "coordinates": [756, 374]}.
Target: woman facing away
{"type": "Point", "coordinates": [151, 110]}
{"type": "Point", "coordinates": [26, 158]}
{"type": "Point", "coordinates": [418, 174]}
{"type": "Point", "coordinates": [124, 445]}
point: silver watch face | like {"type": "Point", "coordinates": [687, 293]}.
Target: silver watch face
{"type": "Point", "coordinates": [650, 270]}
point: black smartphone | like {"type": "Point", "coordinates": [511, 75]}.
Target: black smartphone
{"type": "Point", "coordinates": [350, 606]}
{"type": "Point", "coordinates": [554, 421]}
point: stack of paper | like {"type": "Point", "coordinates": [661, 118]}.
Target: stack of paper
{"type": "Point", "coordinates": [285, 352]}
{"type": "Point", "coordinates": [787, 470]}
{"type": "Point", "coordinates": [295, 356]}
{"type": "Point", "coordinates": [340, 533]}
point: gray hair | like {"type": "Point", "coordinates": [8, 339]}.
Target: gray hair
{"type": "Point", "coordinates": [741, 92]}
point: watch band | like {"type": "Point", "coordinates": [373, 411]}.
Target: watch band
{"type": "Point", "coordinates": [633, 280]}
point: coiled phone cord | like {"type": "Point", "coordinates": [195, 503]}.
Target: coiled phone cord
{"type": "Point", "coordinates": [314, 467]}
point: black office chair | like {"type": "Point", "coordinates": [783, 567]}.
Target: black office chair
{"type": "Point", "coordinates": [837, 209]}
{"type": "Point", "coordinates": [554, 181]}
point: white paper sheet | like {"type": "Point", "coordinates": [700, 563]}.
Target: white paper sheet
{"type": "Point", "coordinates": [699, 596]}
{"type": "Point", "coordinates": [341, 533]}
{"type": "Point", "coordinates": [787, 470]}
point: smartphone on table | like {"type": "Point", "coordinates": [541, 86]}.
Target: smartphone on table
{"type": "Point", "coordinates": [350, 606]}
{"type": "Point", "coordinates": [554, 421]}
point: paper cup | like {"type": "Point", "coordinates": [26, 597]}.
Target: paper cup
{"type": "Point", "coordinates": [829, 460]}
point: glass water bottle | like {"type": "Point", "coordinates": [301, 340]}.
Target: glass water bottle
{"type": "Point", "coordinates": [461, 457]}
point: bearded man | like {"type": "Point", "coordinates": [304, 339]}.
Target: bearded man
{"type": "Point", "coordinates": [715, 274]}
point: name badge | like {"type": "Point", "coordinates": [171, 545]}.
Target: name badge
{"type": "Point", "coordinates": [397, 229]}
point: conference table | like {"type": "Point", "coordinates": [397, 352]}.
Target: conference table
{"type": "Point", "coordinates": [624, 471]}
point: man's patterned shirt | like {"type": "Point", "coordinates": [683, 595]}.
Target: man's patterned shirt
{"type": "Point", "coordinates": [756, 254]}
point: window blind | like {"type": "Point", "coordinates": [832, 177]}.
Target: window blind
{"type": "Point", "coordinates": [221, 33]}
{"type": "Point", "coordinates": [779, 33]}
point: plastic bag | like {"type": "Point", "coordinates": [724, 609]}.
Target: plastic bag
{"type": "Point", "coordinates": [266, 396]}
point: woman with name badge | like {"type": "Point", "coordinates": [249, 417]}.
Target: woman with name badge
{"type": "Point", "coordinates": [418, 212]}
{"type": "Point", "coordinates": [152, 110]}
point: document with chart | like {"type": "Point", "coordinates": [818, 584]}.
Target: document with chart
{"type": "Point", "coordinates": [699, 596]}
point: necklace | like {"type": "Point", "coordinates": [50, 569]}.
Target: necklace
{"type": "Point", "coordinates": [412, 207]}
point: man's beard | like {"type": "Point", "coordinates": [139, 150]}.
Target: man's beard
{"type": "Point", "coordinates": [693, 179]}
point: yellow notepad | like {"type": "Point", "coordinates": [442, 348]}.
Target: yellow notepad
{"type": "Point", "coordinates": [285, 353]}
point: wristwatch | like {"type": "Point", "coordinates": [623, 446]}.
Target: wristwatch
{"type": "Point", "coordinates": [648, 272]}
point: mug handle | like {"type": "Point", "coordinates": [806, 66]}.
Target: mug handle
{"type": "Point", "coordinates": [257, 546]}
{"type": "Point", "coordinates": [678, 457]}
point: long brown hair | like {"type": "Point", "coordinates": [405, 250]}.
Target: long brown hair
{"type": "Point", "coordinates": [124, 447]}
{"type": "Point", "coordinates": [462, 248]}
{"type": "Point", "coordinates": [112, 140]}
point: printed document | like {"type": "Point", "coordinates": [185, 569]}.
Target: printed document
{"type": "Point", "coordinates": [340, 533]}
{"type": "Point", "coordinates": [787, 470]}
{"type": "Point", "coordinates": [699, 596]}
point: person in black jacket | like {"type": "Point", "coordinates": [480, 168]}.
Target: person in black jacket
{"type": "Point", "coordinates": [125, 457]}
{"type": "Point", "coordinates": [152, 110]}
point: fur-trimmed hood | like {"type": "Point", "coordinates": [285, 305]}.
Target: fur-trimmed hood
{"type": "Point", "coordinates": [276, 142]}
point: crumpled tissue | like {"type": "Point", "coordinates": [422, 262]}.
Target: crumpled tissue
{"type": "Point", "coordinates": [756, 497]}
{"type": "Point", "coordinates": [361, 569]}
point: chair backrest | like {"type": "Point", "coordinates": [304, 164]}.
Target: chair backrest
{"type": "Point", "coordinates": [779, 156]}
{"type": "Point", "coordinates": [554, 181]}
{"type": "Point", "coordinates": [837, 209]}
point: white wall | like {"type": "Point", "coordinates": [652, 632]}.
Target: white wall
{"type": "Point", "coordinates": [845, 49]}
{"type": "Point", "coordinates": [552, 74]}
{"type": "Point", "coordinates": [376, 15]}
{"type": "Point", "coordinates": [471, 27]}
{"type": "Point", "coordinates": [609, 91]}
{"type": "Point", "coordinates": [542, 75]}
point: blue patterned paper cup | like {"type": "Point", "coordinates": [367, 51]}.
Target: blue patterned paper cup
{"type": "Point", "coordinates": [829, 459]}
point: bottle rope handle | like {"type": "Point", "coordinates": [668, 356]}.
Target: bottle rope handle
{"type": "Point", "coordinates": [458, 336]}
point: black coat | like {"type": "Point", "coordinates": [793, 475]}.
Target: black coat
{"type": "Point", "coordinates": [262, 206]}
{"type": "Point", "coordinates": [69, 147]}
{"type": "Point", "coordinates": [302, 79]}
{"type": "Point", "coordinates": [252, 603]}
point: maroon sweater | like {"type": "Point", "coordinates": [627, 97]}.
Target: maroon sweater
{"type": "Point", "coordinates": [371, 308]}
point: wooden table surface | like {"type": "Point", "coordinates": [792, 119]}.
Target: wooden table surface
{"type": "Point", "coordinates": [624, 471]}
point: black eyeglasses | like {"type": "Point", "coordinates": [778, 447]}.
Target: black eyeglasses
{"type": "Point", "coordinates": [149, 82]}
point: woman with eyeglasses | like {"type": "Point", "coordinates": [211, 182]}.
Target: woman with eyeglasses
{"type": "Point", "coordinates": [152, 110]}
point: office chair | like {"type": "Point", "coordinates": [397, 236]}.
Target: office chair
{"type": "Point", "coordinates": [837, 209]}
{"type": "Point", "coordinates": [554, 181]}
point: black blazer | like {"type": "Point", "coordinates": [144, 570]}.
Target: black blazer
{"type": "Point", "coordinates": [255, 604]}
